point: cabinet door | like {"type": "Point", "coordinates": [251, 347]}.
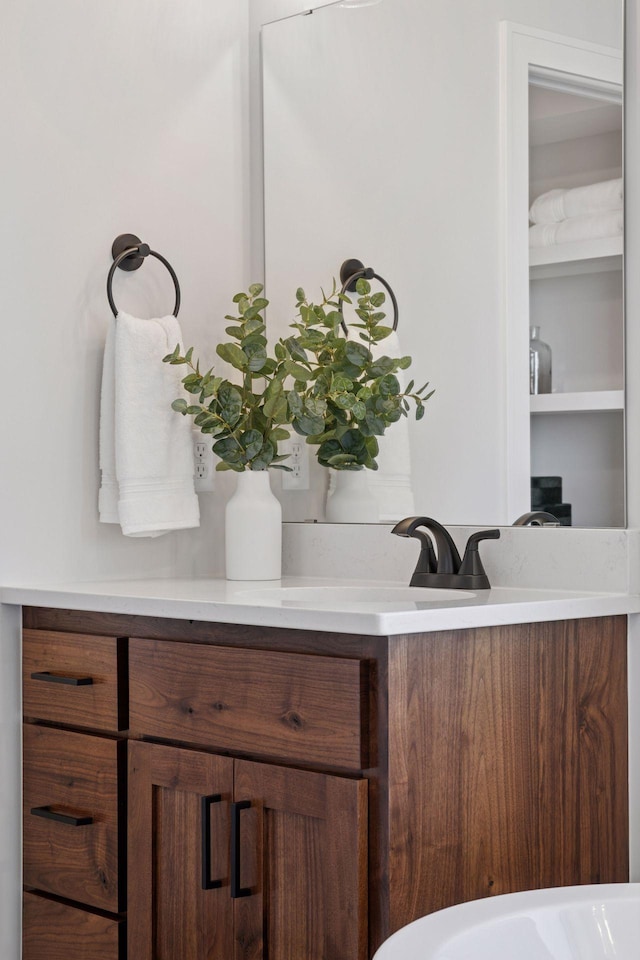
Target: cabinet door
{"type": "Point", "coordinates": [178, 854]}
{"type": "Point", "coordinates": [299, 865]}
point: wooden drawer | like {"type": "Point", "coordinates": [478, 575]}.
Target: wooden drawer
{"type": "Point", "coordinates": [75, 679]}
{"type": "Point", "coordinates": [58, 931]}
{"type": "Point", "coordinates": [280, 705]}
{"type": "Point", "coordinates": [70, 777]}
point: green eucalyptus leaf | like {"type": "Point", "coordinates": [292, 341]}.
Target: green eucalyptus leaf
{"type": "Point", "coordinates": [232, 354]}
{"type": "Point", "coordinates": [345, 401]}
{"type": "Point", "coordinates": [381, 367]}
{"type": "Point", "coordinates": [315, 406]}
{"type": "Point", "coordinates": [357, 354]}
{"type": "Point", "coordinates": [280, 351]}
{"type": "Point", "coordinates": [254, 325]}
{"type": "Point", "coordinates": [379, 333]}
{"type": "Point", "coordinates": [265, 456]}
{"type": "Point", "coordinates": [228, 450]}
{"type": "Point", "coordinates": [404, 363]}
{"type": "Point", "coordinates": [296, 351]}
{"type": "Point", "coordinates": [389, 386]}
{"type": "Point", "coordinates": [234, 332]}
{"type": "Point", "coordinates": [341, 459]}
{"type": "Point", "coordinates": [180, 406]}
{"type": "Point", "coordinates": [363, 287]}
{"type": "Point", "coordinates": [256, 356]}
{"type": "Point", "coordinates": [295, 402]}
{"type": "Point", "coordinates": [230, 400]}
{"type": "Point", "coordinates": [255, 289]}
{"type": "Point", "coordinates": [300, 294]}
{"type": "Point", "coordinates": [300, 373]}
{"type": "Point", "coordinates": [419, 411]}
{"type": "Point", "coordinates": [341, 384]}
{"type": "Point", "coordinates": [377, 299]}
{"type": "Point", "coordinates": [308, 426]}
{"type": "Point", "coordinates": [239, 297]}
{"type": "Point", "coordinates": [252, 441]}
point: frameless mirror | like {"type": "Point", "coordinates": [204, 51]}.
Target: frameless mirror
{"type": "Point", "coordinates": [415, 137]}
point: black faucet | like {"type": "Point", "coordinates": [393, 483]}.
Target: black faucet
{"type": "Point", "coordinates": [444, 568]}
{"type": "Point", "coordinates": [536, 518]}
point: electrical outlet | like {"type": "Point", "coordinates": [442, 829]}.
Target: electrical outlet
{"type": "Point", "coordinates": [298, 477]}
{"type": "Point", "coordinates": [203, 464]}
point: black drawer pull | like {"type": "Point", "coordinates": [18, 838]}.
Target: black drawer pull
{"type": "Point", "coordinates": [236, 890]}
{"type": "Point", "coordinates": [70, 681]}
{"type": "Point", "coordinates": [206, 804]}
{"type": "Point", "coordinates": [48, 814]}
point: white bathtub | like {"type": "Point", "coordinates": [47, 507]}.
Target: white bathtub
{"type": "Point", "coordinates": [599, 922]}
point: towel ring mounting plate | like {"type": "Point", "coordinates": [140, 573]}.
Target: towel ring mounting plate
{"type": "Point", "coordinates": [350, 272]}
{"type": "Point", "coordinates": [129, 253]}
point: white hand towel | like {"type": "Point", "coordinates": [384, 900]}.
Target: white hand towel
{"type": "Point", "coordinates": [562, 204]}
{"type": "Point", "coordinates": [595, 227]}
{"type": "Point", "coordinates": [109, 493]}
{"type": "Point", "coordinates": [152, 445]}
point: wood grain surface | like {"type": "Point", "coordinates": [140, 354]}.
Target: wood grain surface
{"type": "Point", "coordinates": [304, 859]}
{"type": "Point", "coordinates": [170, 916]}
{"type": "Point", "coordinates": [100, 705]}
{"type": "Point", "coordinates": [260, 702]}
{"type": "Point", "coordinates": [74, 774]}
{"type": "Point", "coordinates": [60, 931]}
{"type": "Point", "coordinates": [507, 762]}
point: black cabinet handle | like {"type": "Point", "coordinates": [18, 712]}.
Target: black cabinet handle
{"type": "Point", "coordinates": [56, 678]}
{"type": "Point", "coordinates": [236, 890]}
{"type": "Point", "coordinates": [205, 807]}
{"type": "Point", "coordinates": [48, 814]}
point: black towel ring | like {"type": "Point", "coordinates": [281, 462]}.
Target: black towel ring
{"type": "Point", "coordinates": [353, 270]}
{"type": "Point", "coordinates": [129, 253]}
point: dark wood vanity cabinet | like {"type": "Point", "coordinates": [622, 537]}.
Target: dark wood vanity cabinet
{"type": "Point", "coordinates": [264, 794]}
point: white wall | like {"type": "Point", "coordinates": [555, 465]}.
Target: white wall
{"type": "Point", "coordinates": [117, 117]}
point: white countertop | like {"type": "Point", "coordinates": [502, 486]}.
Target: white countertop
{"type": "Point", "coordinates": [263, 604]}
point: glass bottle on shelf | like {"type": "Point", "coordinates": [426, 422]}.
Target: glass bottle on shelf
{"type": "Point", "coordinates": [539, 363]}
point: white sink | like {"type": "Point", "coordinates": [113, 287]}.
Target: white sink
{"type": "Point", "coordinates": [382, 597]}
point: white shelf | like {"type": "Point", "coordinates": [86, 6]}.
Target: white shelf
{"type": "Point", "coordinates": [584, 256]}
{"type": "Point", "coordinates": [585, 402]}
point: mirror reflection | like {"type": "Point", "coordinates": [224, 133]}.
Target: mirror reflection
{"type": "Point", "coordinates": [419, 138]}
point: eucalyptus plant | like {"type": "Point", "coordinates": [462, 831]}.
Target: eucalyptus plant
{"type": "Point", "coordinates": [246, 419]}
{"type": "Point", "coordinates": [345, 394]}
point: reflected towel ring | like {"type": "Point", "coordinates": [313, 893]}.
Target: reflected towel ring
{"type": "Point", "coordinates": [129, 253]}
{"type": "Point", "coordinates": [353, 270]}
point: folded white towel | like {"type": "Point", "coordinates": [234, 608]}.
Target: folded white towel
{"type": "Point", "coordinates": [146, 452]}
{"type": "Point", "coordinates": [562, 204]}
{"type": "Point", "coordinates": [595, 227]}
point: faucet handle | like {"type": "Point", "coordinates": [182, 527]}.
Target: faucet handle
{"type": "Point", "coordinates": [471, 565]}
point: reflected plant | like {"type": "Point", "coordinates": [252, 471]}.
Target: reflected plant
{"type": "Point", "coordinates": [345, 395]}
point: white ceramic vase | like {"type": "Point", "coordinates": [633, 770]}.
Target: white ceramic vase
{"type": "Point", "coordinates": [350, 500]}
{"type": "Point", "coordinates": [253, 529]}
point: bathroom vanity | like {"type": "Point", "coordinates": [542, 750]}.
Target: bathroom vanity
{"type": "Point", "coordinates": [273, 789]}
